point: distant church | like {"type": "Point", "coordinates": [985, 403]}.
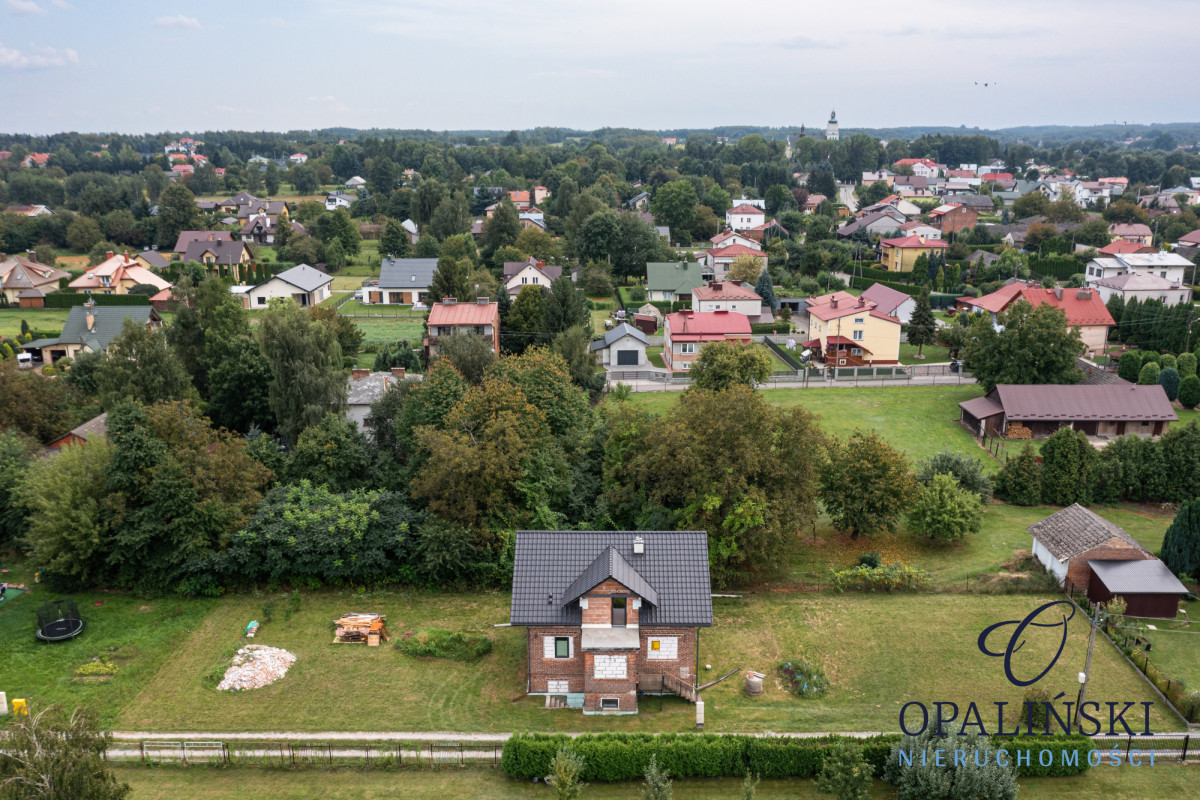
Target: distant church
{"type": "Point", "coordinates": [831, 130]}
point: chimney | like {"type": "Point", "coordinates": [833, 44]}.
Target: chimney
{"type": "Point", "coordinates": [90, 311]}
{"type": "Point", "coordinates": [482, 301]}
{"type": "Point", "coordinates": [1058, 292]}
{"type": "Point", "coordinates": [32, 256]}
{"type": "Point", "coordinates": [718, 286]}
{"type": "Point", "coordinates": [108, 254]}
{"type": "Point", "coordinates": [862, 301]}
{"type": "Point", "coordinates": [359, 374]}
{"type": "Point", "coordinates": [833, 302]}
{"type": "Point", "coordinates": [449, 301]}
{"type": "Point", "coordinates": [398, 372]}
{"type": "Point", "coordinates": [1083, 294]}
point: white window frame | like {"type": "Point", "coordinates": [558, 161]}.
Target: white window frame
{"type": "Point", "coordinates": [610, 704]}
{"type": "Point", "coordinates": [860, 320]}
{"type": "Point", "coordinates": [687, 348]}
{"type": "Point", "coordinates": [858, 336]}
{"type": "Point", "coordinates": [550, 645]}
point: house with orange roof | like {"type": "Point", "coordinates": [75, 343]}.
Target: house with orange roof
{"type": "Point", "coordinates": [36, 160]}
{"type": "Point", "coordinates": [685, 332]}
{"type": "Point", "coordinates": [117, 274]}
{"type": "Point", "coordinates": [848, 331]}
{"type": "Point", "coordinates": [450, 318]}
{"type": "Point", "coordinates": [899, 255]}
{"type": "Point", "coordinates": [717, 260]}
{"type": "Point", "coordinates": [745, 216]}
{"type": "Point", "coordinates": [1120, 247]}
{"type": "Point", "coordinates": [952, 217]}
{"type": "Point", "coordinates": [1084, 308]}
{"type": "Point", "coordinates": [520, 199]}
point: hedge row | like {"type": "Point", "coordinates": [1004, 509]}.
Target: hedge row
{"type": "Point", "coordinates": [1061, 267]}
{"type": "Point", "coordinates": [880, 275]}
{"type": "Point", "coordinates": [778, 326]}
{"type": "Point", "coordinates": [624, 756]}
{"type": "Point", "coordinates": [65, 300]}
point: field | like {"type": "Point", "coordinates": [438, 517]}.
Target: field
{"type": "Point", "coordinates": [386, 331]}
{"type": "Point", "coordinates": [198, 783]}
{"type": "Point", "coordinates": [879, 651]}
{"type": "Point", "coordinates": [933, 354]}
{"type": "Point", "coordinates": [40, 319]}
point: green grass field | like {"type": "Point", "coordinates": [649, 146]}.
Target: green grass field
{"type": "Point", "coordinates": [878, 651]}
{"type": "Point", "coordinates": [920, 420]}
{"type": "Point", "coordinates": [200, 783]}
{"type": "Point", "coordinates": [357, 308]}
{"type": "Point", "coordinates": [933, 353]}
{"type": "Point", "coordinates": [386, 331]}
{"type": "Point", "coordinates": [39, 319]}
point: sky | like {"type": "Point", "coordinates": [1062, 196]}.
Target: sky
{"type": "Point", "coordinates": [136, 66]}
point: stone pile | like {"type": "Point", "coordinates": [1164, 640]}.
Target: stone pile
{"type": "Point", "coordinates": [255, 666]}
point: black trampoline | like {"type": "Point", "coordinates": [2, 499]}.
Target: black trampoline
{"type": "Point", "coordinates": [59, 620]}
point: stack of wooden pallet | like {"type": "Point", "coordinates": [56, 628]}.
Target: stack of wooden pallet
{"type": "Point", "coordinates": [370, 629]}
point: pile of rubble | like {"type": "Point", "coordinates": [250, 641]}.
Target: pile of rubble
{"type": "Point", "coordinates": [256, 666]}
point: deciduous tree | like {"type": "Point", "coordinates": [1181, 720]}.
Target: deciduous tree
{"type": "Point", "coordinates": [140, 365]}
{"type": "Point", "coordinates": [674, 204]}
{"type": "Point", "coordinates": [307, 378]}
{"type": "Point", "coordinates": [54, 756]}
{"type": "Point", "coordinates": [720, 365]}
{"type": "Point", "coordinates": [944, 511]}
{"type": "Point", "coordinates": [865, 484]}
{"type": "Point", "coordinates": [1034, 347]}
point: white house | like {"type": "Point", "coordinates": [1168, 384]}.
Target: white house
{"type": "Point", "coordinates": [301, 283]}
{"type": "Point", "coordinates": [757, 202]}
{"type": "Point", "coordinates": [402, 281]}
{"type": "Point", "coordinates": [727, 238]}
{"type": "Point", "coordinates": [337, 200]}
{"type": "Point", "coordinates": [356, 182]}
{"type": "Point", "coordinates": [727, 296]}
{"type": "Point", "coordinates": [1089, 192]}
{"type": "Point", "coordinates": [718, 260]}
{"type": "Point", "coordinates": [623, 346]}
{"type": "Point", "coordinates": [744, 217]}
{"type": "Point", "coordinates": [519, 274]}
{"type": "Point", "coordinates": [1144, 286]}
{"type": "Point", "coordinates": [297, 158]}
{"type": "Point", "coordinates": [1168, 266]}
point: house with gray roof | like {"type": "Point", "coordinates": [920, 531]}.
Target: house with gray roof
{"type": "Point", "coordinates": [610, 615]}
{"type": "Point", "coordinates": [91, 328]}
{"type": "Point", "coordinates": [673, 280]}
{"type": "Point", "coordinates": [623, 346]}
{"type": "Point", "coordinates": [306, 285]}
{"type": "Point", "coordinates": [364, 387]}
{"type": "Point", "coordinates": [402, 281]}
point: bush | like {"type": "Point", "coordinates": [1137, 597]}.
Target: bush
{"type": "Point", "coordinates": [965, 469]}
{"type": "Point", "coordinates": [1189, 391]}
{"type": "Point", "coordinates": [945, 511]}
{"type": "Point", "coordinates": [441, 643]}
{"type": "Point", "coordinates": [803, 679]}
{"type": "Point", "coordinates": [98, 668]}
{"type": "Point", "coordinates": [1186, 364]}
{"type": "Point", "coordinates": [1168, 378]}
{"type": "Point", "coordinates": [870, 559]}
{"type": "Point", "coordinates": [1020, 479]}
{"type": "Point", "coordinates": [1129, 366]}
{"type": "Point", "coordinates": [896, 576]}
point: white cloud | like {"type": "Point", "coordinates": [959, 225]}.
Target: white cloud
{"type": "Point", "coordinates": [178, 21]}
{"type": "Point", "coordinates": [24, 7]}
{"type": "Point", "coordinates": [37, 58]}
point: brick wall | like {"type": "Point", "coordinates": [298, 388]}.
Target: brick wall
{"type": "Point", "coordinates": [542, 669]}
{"type": "Point", "coordinates": [683, 666]}
{"type": "Point", "coordinates": [599, 610]}
{"type": "Point", "coordinates": [1080, 574]}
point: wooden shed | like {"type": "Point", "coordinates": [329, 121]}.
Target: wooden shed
{"type": "Point", "coordinates": [1149, 588]}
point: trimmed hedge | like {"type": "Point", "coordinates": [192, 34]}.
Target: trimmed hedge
{"type": "Point", "coordinates": [879, 275]}
{"type": "Point", "coordinates": [778, 326]}
{"type": "Point", "coordinates": [56, 300]}
{"type": "Point", "coordinates": [1061, 267]}
{"type": "Point", "coordinates": [624, 756]}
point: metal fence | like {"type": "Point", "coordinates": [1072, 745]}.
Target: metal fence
{"type": "Point", "coordinates": [298, 754]}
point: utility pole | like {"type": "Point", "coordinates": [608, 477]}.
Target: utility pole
{"type": "Point", "coordinates": [1191, 301]}
{"type": "Point", "coordinates": [1087, 669]}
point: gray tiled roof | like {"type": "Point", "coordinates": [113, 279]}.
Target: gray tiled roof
{"type": "Point", "coordinates": [107, 322]}
{"type": "Point", "coordinates": [548, 563]}
{"type": "Point", "coordinates": [406, 273]}
{"type": "Point", "coordinates": [303, 277]}
{"type": "Point", "coordinates": [609, 564]}
{"type": "Point", "coordinates": [1142, 576]}
{"type": "Point", "coordinates": [622, 330]}
{"type": "Point", "coordinates": [1076, 530]}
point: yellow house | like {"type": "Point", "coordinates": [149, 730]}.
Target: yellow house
{"type": "Point", "coordinates": [851, 332]}
{"type": "Point", "coordinates": [899, 255]}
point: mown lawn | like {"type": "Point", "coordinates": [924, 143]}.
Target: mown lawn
{"type": "Point", "coordinates": [200, 783]}
{"type": "Point", "coordinates": [138, 635]}
{"type": "Point", "coordinates": [357, 307]}
{"type": "Point", "coordinates": [920, 420]}
{"type": "Point", "coordinates": [879, 651]}
{"type": "Point", "coordinates": [933, 354]}
{"type": "Point", "coordinates": [1176, 650]}
{"type": "Point", "coordinates": [46, 320]}
{"type": "Point", "coordinates": [386, 331]}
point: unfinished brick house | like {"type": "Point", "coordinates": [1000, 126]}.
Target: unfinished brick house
{"type": "Point", "coordinates": [611, 614]}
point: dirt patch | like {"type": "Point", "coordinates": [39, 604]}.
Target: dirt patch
{"type": "Point", "coordinates": [144, 609]}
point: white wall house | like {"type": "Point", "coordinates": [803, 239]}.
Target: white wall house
{"type": "Point", "coordinates": [744, 217]}
{"type": "Point", "coordinates": [1168, 266]}
{"type": "Point", "coordinates": [303, 284]}
{"type": "Point", "coordinates": [622, 347]}
{"type": "Point", "coordinates": [528, 276]}
{"type": "Point", "coordinates": [338, 200]}
{"type": "Point", "coordinates": [727, 297]}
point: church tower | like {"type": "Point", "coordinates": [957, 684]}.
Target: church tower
{"type": "Point", "coordinates": [831, 130]}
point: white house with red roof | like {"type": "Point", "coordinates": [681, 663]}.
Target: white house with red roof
{"type": "Point", "coordinates": [745, 216]}
{"type": "Point", "coordinates": [297, 158]}
{"type": "Point", "coordinates": [717, 260]}
{"type": "Point", "coordinates": [921, 167]}
{"type": "Point", "coordinates": [685, 332]}
{"type": "Point", "coordinates": [450, 318]}
{"type": "Point", "coordinates": [731, 296]}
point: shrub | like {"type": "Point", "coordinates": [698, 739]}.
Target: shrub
{"type": "Point", "coordinates": [1166, 360]}
{"type": "Point", "coordinates": [845, 774]}
{"type": "Point", "coordinates": [1129, 366]}
{"type": "Point", "coordinates": [565, 769]}
{"type": "Point", "coordinates": [896, 576]}
{"type": "Point", "coordinates": [1189, 391]}
{"type": "Point", "coordinates": [100, 667]}
{"type": "Point", "coordinates": [965, 469]}
{"type": "Point", "coordinates": [1168, 378]}
{"type": "Point", "coordinates": [803, 679]}
{"type": "Point", "coordinates": [1186, 364]}
{"type": "Point", "coordinates": [945, 511]}
{"type": "Point", "coordinates": [441, 643]}
{"type": "Point", "coordinates": [870, 559]}
{"type": "Point", "coordinates": [1020, 479]}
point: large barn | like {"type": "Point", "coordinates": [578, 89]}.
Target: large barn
{"type": "Point", "coordinates": [1104, 411]}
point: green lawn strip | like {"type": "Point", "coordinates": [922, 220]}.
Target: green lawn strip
{"type": "Point", "coordinates": [879, 651]}
{"type": "Point", "coordinates": [920, 420]}
{"type": "Point", "coordinates": [655, 356]}
{"type": "Point", "coordinates": [137, 634]}
{"type": "Point", "coordinates": [386, 331]}
{"type": "Point", "coordinates": [357, 307]}
{"type": "Point", "coordinates": [46, 320]}
{"type": "Point", "coordinates": [1175, 651]}
{"type": "Point", "coordinates": [933, 353]}
{"type": "Point", "coordinates": [201, 783]}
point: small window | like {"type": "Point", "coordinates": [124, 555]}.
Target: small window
{"type": "Point", "coordinates": [262, 301]}
{"type": "Point", "coordinates": [655, 644]}
{"type": "Point", "coordinates": [856, 351]}
{"type": "Point", "coordinates": [610, 703]}
{"type": "Point", "coordinates": [562, 647]}
{"type": "Point", "coordinates": [860, 320]}
{"type": "Point", "coordinates": [858, 336]}
{"type": "Point", "coordinates": [687, 348]}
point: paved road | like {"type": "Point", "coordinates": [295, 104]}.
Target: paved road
{"type": "Point", "coordinates": [847, 198]}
